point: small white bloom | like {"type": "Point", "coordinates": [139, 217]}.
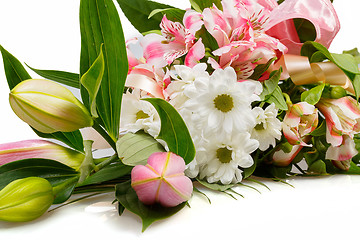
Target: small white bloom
{"type": "Point", "coordinates": [219, 161]}
{"type": "Point", "coordinates": [267, 128]}
{"type": "Point", "coordinates": [220, 104]}
{"type": "Point", "coordinates": [138, 115]}
{"type": "Point", "coordinates": [184, 79]}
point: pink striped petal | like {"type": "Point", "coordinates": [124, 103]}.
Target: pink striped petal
{"type": "Point", "coordinates": [196, 52]}
{"type": "Point", "coordinates": [175, 190]}
{"type": "Point", "coordinates": [343, 152]}
{"type": "Point", "coordinates": [154, 50]}
{"type": "Point", "coordinates": [193, 21]}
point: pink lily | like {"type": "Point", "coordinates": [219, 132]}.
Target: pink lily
{"type": "Point", "coordinates": [162, 180]}
{"type": "Point", "coordinates": [14, 151]}
{"type": "Point", "coordinates": [342, 118]}
{"type": "Point", "coordinates": [343, 152]}
{"type": "Point", "coordinates": [300, 120]}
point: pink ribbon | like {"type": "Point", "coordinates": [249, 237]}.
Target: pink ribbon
{"type": "Point", "coordinates": [320, 13]}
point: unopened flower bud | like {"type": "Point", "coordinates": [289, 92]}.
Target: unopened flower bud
{"type": "Point", "coordinates": [162, 180]}
{"type": "Point", "coordinates": [25, 199]}
{"type": "Point", "coordinates": [342, 165]}
{"type": "Point", "coordinates": [48, 106]}
{"type": "Point", "coordinates": [337, 92]}
{"type": "Point", "coordinates": [14, 151]}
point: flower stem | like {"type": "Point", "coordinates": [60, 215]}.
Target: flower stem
{"type": "Point", "coordinates": [105, 135]}
{"type": "Point", "coordinates": [106, 162]}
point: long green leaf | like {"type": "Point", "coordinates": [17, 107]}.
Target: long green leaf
{"type": "Point", "coordinates": [202, 4]}
{"type": "Point", "coordinates": [100, 24]}
{"type": "Point", "coordinates": [127, 197]}
{"type": "Point", "coordinates": [135, 148]}
{"type": "Point", "coordinates": [138, 11]}
{"type": "Point", "coordinates": [173, 130]}
{"type": "Point", "coordinates": [67, 78]}
{"type": "Point", "coordinates": [173, 14]}
{"type": "Point", "coordinates": [61, 177]}
{"type": "Point", "coordinates": [91, 80]}
{"type": "Point", "coordinates": [15, 73]}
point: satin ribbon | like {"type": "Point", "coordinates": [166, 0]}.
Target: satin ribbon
{"type": "Point", "coordinates": [303, 72]}
{"type": "Point", "coordinates": [144, 83]}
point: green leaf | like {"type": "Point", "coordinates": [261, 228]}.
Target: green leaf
{"type": "Point", "coordinates": [100, 24]}
{"type": "Point", "coordinates": [138, 11]}
{"type": "Point", "coordinates": [216, 186]}
{"type": "Point", "coordinates": [202, 4]}
{"type": "Point", "coordinates": [61, 177]}
{"type": "Point", "coordinates": [320, 131]}
{"type": "Point", "coordinates": [16, 73]}
{"type": "Point", "coordinates": [346, 62]}
{"type": "Point", "coordinates": [354, 52]}
{"type": "Point", "coordinates": [91, 80]}
{"type": "Point", "coordinates": [270, 85]}
{"type": "Point", "coordinates": [14, 70]}
{"type": "Point", "coordinates": [261, 69]}
{"type": "Point", "coordinates": [305, 29]}
{"type": "Point", "coordinates": [173, 14]}
{"type": "Point", "coordinates": [173, 130]}
{"type": "Point", "coordinates": [110, 172]}
{"type": "Point", "coordinates": [313, 95]}
{"type": "Point", "coordinates": [67, 78]}
{"type": "Point", "coordinates": [135, 148]}
{"type": "Point", "coordinates": [278, 99]}
{"type": "Point", "coordinates": [72, 139]}
{"type": "Point", "coordinates": [318, 167]}
{"type": "Point", "coordinates": [127, 197]}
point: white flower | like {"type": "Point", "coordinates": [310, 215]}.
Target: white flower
{"type": "Point", "coordinates": [138, 115]}
{"type": "Point", "coordinates": [219, 161]}
{"type": "Point", "coordinates": [220, 104]}
{"type": "Point", "coordinates": [184, 79]}
{"type": "Point", "coordinates": [267, 128]}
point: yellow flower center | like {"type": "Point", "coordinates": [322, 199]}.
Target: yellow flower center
{"type": "Point", "coordinates": [141, 115]}
{"type": "Point", "coordinates": [224, 103]}
{"type": "Point", "coordinates": [224, 155]}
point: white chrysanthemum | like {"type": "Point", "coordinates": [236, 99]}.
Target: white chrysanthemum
{"type": "Point", "coordinates": [184, 79]}
{"type": "Point", "coordinates": [138, 115]}
{"type": "Point", "coordinates": [219, 161]}
{"type": "Point", "coordinates": [267, 128]}
{"type": "Point", "coordinates": [220, 104]}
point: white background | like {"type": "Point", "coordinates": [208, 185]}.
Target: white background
{"type": "Point", "coordinates": [45, 34]}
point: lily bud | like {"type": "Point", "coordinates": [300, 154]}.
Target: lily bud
{"type": "Point", "coordinates": [25, 199]}
{"type": "Point", "coordinates": [162, 180]}
{"type": "Point", "coordinates": [14, 151]}
{"type": "Point", "coordinates": [48, 106]}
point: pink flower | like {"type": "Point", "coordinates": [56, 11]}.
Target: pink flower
{"type": "Point", "coordinates": [342, 118]}
{"type": "Point", "coordinates": [162, 180]}
{"type": "Point", "coordinates": [282, 159]}
{"type": "Point", "coordinates": [176, 41]}
{"type": "Point", "coordinates": [300, 120]}
{"type": "Point", "coordinates": [14, 151]}
{"type": "Point", "coordinates": [345, 151]}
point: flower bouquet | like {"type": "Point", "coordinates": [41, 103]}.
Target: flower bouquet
{"type": "Point", "coordinates": [212, 95]}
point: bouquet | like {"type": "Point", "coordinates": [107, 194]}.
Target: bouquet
{"type": "Point", "coordinates": [215, 94]}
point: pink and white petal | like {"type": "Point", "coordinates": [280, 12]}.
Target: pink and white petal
{"type": "Point", "coordinates": [140, 173]}
{"type": "Point", "coordinates": [147, 192]}
{"type": "Point", "coordinates": [334, 137]}
{"type": "Point", "coordinates": [217, 25]}
{"type": "Point", "coordinates": [175, 190]}
{"type": "Point", "coordinates": [172, 29]}
{"type": "Point", "coordinates": [158, 161]}
{"type": "Point", "coordinates": [291, 136]}
{"type": "Point", "coordinates": [343, 152]}
{"type": "Point", "coordinates": [154, 49]}
{"type": "Point", "coordinates": [171, 55]}
{"type": "Point", "coordinates": [196, 52]}
{"type": "Point", "coordinates": [213, 63]}
{"type": "Point", "coordinates": [193, 21]}
{"type": "Point", "coordinates": [282, 159]}
{"type": "Point", "coordinates": [176, 165]}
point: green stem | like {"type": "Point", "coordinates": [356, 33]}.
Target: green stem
{"type": "Point", "coordinates": [104, 134]}
{"type": "Point", "coordinates": [88, 164]}
{"type": "Point", "coordinates": [106, 162]}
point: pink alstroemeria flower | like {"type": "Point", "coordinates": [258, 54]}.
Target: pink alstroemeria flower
{"type": "Point", "coordinates": [26, 149]}
{"type": "Point", "coordinates": [162, 180]}
{"type": "Point", "coordinates": [176, 40]}
{"type": "Point", "coordinates": [239, 30]}
{"type": "Point", "coordinates": [342, 118]}
{"type": "Point", "coordinates": [300, 120]}
{"type": "Point", "coordinates": [343, 152]}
